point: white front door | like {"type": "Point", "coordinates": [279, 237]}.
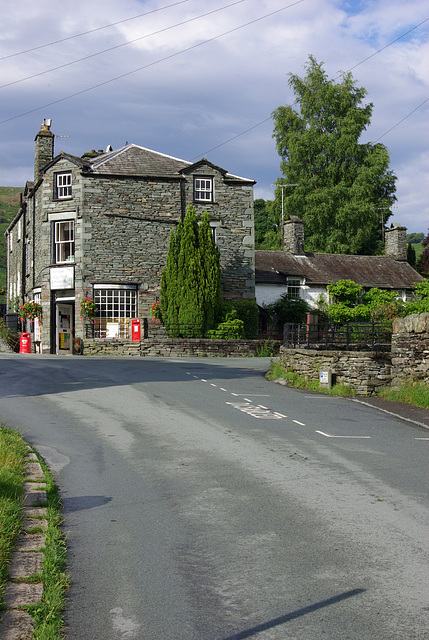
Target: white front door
{"type": "Point", "coordinates": [64, 328]}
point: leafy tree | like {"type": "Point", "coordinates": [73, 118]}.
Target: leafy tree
{"type": "Point", "coordinates": [415, 238]}
{"type": "Point", "coordinates": [421, 302]}
{"type": "Point", "coordinates": [342, 184]}
{"type": "Point", "coordinates": [190, 283]}
{"type": "Point", "coordinates": [422, 264]}
{"type": "Point", "coordinates": [345, 291]}
{"type": "Point", "coordinates": [349, 305]}
{"type": "Point", "coordinates": [267, 224]}
{"type": "Point", "coordinates": [288, 309]}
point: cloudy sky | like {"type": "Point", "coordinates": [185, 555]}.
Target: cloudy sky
{"type": "Point", "coordinates": [200, 78]}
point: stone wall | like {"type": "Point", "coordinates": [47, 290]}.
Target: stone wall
{"type": "Point", "coordinates": [180, 347]}
{"type": "Point", "coordinates": [365, 372]}
{"type": "Point", "coordinates": [410, 349]}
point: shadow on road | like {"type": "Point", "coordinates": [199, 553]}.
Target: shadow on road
{"type": "Point", "coordinates": [294, 614]}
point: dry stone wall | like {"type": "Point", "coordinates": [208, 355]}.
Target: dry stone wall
{"type": "Point", "coordinates": [410, 349]}
{"type": "Point", "coordinates": [365, 372]}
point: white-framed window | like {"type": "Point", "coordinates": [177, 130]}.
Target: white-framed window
{"type": "Point", "coordinates": [63, 185]}
{"type": "Point", "coordinates": [294, 287]}
{"type": "Point", "coordinates": [63, 249]}
{"type": "Point", "coordinates": [203, 189]}
{"type": "Point", "coordinates": [116, 306]}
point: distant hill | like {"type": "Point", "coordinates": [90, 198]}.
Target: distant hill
{"type": "Point", "coordinates": [9, 205]}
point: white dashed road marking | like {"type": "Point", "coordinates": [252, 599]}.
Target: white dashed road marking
{"type": "Point", "coordinates": [327, 435]}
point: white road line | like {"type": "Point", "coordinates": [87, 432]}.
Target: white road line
{"type": "Point", "coordinates": [421, 438]}
{"type": "Point", "coordinates": [247, 399]}
{"type": "Point", "coordinates": [202, 380]}
{"type": "Point", "coordinates": [222, 389]}
{"type": "Point", "coordinates": [262, 406]}
{"type": "Point", "coordinates": [298, 422]}
{"type": "Point", "coordinates": [212, 384]}
{"type": "Point", "coordinates": [327, 435]}
{"type": "Point", "coordinates": [281, 415]}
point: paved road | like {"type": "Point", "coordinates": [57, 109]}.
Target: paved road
{"type": "Point", "coordinates": [204, 503]}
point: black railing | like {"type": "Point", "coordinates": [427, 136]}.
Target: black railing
{"type": "Point", "coordinates": [348, 336]}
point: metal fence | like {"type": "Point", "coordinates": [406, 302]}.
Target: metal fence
{"type": "Point", "coordinates": [347, 336]}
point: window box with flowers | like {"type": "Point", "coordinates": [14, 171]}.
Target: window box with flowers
{"type": "Point", "coordinates": [30, 311]}
{"type": "Point", "coordinates": [88, 309]}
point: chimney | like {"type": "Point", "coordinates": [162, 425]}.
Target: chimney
{"type": "Point", "coordinates": [44, 148]}
{"type": "Point", "coordinates": [396, 242]}
{"type": "Point", "coordinates": [293, 235]}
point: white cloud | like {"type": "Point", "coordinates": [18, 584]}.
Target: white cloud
{"type": "Point", "coordinates": [186, 103]}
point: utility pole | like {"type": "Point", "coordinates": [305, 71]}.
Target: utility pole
{"type": "Point", "coordinates": [290, 184]}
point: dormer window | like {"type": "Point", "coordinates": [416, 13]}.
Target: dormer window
{"type": "Point", "coordinates": [203, 190]}
{"type": "Point", "coordinates": [63, 185]}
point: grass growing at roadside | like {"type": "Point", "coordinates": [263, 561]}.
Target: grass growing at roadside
{"type": "Point", "coordinates": [417, 394]}
{"type": "Point", "coordinates": [47, 613]}
{"type": "Point", "coordinates": [277, 370]}
{"type": "Point", "coordinates": [12, 475]}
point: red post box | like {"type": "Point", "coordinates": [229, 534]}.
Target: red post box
{"type": "Point", "coordinates": [135, 330]}
{"type": "Point", "coordinates": [25, 343]}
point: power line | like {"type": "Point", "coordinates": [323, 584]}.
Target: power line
{"type": "Point", "coordinates": [402, 120]}
{"type": "Point", "coordinates": [84, 33]}
{"type": "Point", "coordinates": [118, 46]}
{"type": "Point", "coordinates": [339, 76]}
{"type": "Point", "coordinates": [151, 64]}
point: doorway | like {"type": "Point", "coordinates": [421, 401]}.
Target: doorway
{"type": "Point", "coordinates": [64, 329]}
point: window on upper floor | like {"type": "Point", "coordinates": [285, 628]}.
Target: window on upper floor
{"type": "Point", "coordinates": [63, 185]}
{"type": "Point", "coordinates": [203, 189]}
{"type": "Point", "coordinates": [294, 287]}
{"type": "Point", "coordinates": [63, 241]}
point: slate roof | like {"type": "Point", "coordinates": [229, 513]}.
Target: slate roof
{"type": "Point", "coordinates": [133, 160]}
{"type": "Point", "coordinates": [273, 267]}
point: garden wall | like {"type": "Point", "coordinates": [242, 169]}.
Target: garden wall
{"type": "Point", "coordinates": [366, 371]}
{"type": "Point", "coordinates": [180, 347]}
{"type": "Point", "coordinates": [410, 349]}
{"type": "Point", "coordinates": [363, 371]}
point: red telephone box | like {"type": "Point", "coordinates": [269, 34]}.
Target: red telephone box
{"type": "Point", "coordinates": [25, 343]}
{"type": "Point", "coordinates": [135, 330]}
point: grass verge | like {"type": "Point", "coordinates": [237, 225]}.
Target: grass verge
{"type": "Point", "coordinates": [48, 613]}
{"type": "Point", "coordinates": [412, 393]}
{"type": "Point", "coordinates": [277, 370]}
{"type": "Point", "coordinates": [417, 394]}
{"type": "Point", "coordinates": [12, 477]}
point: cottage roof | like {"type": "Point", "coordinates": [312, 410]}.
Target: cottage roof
{"type": "Point", "coordinates": [273, 267]}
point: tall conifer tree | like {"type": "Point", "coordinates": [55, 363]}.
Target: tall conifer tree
{"type": "Point", "coordinates": [190, 283]}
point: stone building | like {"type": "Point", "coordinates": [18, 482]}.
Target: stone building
{"type": "Point", "coordinates": [99, 226]}
{"type": "Point", "coordinates": [306, 275]}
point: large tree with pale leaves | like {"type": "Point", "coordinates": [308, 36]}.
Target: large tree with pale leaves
{"type": "Point", "coordinates": [345, 187]}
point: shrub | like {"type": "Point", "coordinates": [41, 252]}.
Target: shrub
{"type": "Point", "coordinates": [247, 311]}
{"type": "Point", "coordinates": [231, 329]}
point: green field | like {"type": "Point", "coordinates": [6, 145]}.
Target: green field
{"type": "Point", "coordinates": [9, 205]}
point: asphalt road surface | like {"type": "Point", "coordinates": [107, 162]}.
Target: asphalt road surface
{"type": "Point", "coordinates": [203, 502]}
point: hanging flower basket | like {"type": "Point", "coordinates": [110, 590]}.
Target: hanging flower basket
{"type": "Point", "coordinates": [29, 311]}
{"type": "Point", "coordinates": [88, 309]}
{"type": "Point", "coordinates": [156, 312]}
